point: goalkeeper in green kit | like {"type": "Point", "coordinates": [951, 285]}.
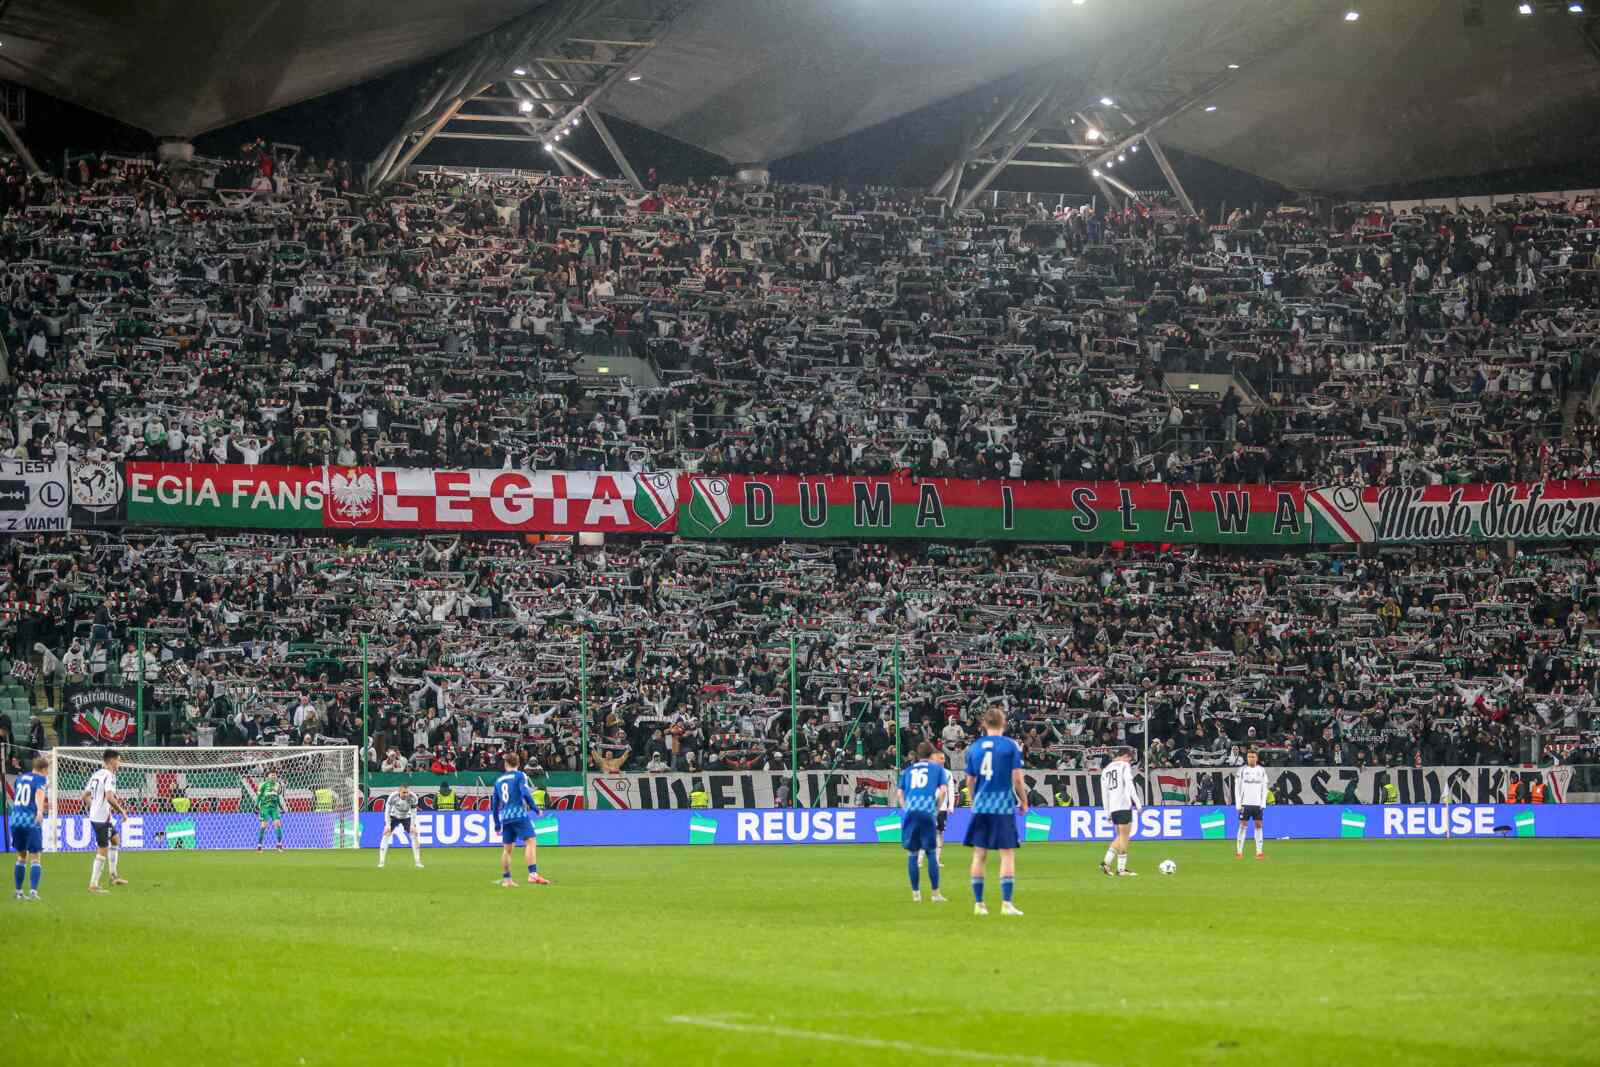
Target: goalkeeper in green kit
{"type": "Point", "coordinates": [269, 804]}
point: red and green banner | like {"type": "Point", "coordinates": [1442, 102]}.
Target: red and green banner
{"type": "Point", "coordinates": [224, 494]}
{"type": "Point", "coordinates": [817, 507]}
{"type": "Point", "coordinates": [388, 498]}
{"type": "Point", "coordinates": [791, 506]}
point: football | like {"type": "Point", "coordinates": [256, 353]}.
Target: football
{"type": "Point", "coordinates": [1169, 867]}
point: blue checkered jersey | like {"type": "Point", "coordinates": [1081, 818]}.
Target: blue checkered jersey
{"type": "Point", "coordinates": [920, 783]}
{"type": "Point", "coordinates": [25, 801]}
{"type": "Point", "coordinates": [991, 762]}
{"type": "Point", "coordinates": [512, 800]}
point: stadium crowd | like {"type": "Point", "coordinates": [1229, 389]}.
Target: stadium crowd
{"type": "Point", "coordinates": [445, 322]}
{"type": "Point", "coordinates": [441, 323]}
{"type": "Point", "coordinates": [1448, 655]}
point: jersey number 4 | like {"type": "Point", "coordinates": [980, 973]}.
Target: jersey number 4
{"type": "Point", "coordinates": [986, 768]}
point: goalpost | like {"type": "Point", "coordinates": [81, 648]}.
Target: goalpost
{"type": "Point", "coordinates": [206, 798]}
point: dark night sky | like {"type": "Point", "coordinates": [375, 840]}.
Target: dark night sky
{"type": "Point", "coordinates": [356, 123]}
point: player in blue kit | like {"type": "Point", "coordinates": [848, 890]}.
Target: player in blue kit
{"type": "Point", "coordinates": [511, 812]}
{"type": "Point", "coordinates": [922, 789]}
{"type": "Point", "coordinates": [994, 778]}
{"type": "Point", "coordinates": [30, 801]}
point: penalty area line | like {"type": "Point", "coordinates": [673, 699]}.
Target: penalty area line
{"type": "Point", "coordinates": [859, 1041]}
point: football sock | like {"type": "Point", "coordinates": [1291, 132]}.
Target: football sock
{"type": "Point", "coordinates": [915, 870]}
{"type": "Point", "coordinates": [1258, 840]}
{"type": "Point", "coordinates": [33, 877]}
{"type": "Point", "coordinates": [1122, 861]}
{"type": "Point", "coordinates": [16, 875]}
{"type": "Point", "coordinates": [1007, 885]}
{"type": "Point", "coordinates": [977, 889]}
{"type": "Point", "coordinates": [279, 828]}
{"type": "Point", "coordinates": [99, 865]}
{"type": "Point", "coordinates": [933, 874]}
{"type": "Point", "coordinates": [533, 868]}
{"type": "Point", "coordinates": [383, 850]}
{"type": "Point", "coordinates": [416, 850]}
{"type": "Point", "coordinates": [505, 872]}
{"type": "Point", "coordinates": [111, 859]}
{"type": "Point", "coordinates": [1111, 856]}
{"type": "Point", "coordinates": [261, 834]}
{"type": "Point", "coordinates": [1240, 846]}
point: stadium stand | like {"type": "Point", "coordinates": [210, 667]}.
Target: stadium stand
{"type": "Point", "coordinates": [499, 320]}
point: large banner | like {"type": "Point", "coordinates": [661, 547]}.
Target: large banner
{"type": "Point", "coordinates": [1496, 511]}
{"type": "Point", "coordinates": [101, 713]}
{"type": "Point", "coordinates": [224, 494]}
{"type": "Point", "coordinates": [740, 789]}
{"type": "Point", "coordinates": [834, 826]}
{"type": "Point", "coordinates": [1363, 785]}
{"type": "Point", "coordinates": [791, 506]}
{"type": "Point", "coordinates": [33, 496]}
{"type": "Point", "coordinates": [386, 498]}
{"type": "Point", "coordinates": [383, 498]}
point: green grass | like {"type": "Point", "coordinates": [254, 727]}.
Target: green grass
{"type": "Point", "coordinates": [1336, 953]}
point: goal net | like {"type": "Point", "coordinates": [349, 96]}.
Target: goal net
{"type": "Point", "coordinates": [211, 798]}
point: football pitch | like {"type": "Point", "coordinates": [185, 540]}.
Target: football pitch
{"type": "Point", "coordinates": [1328, 952]}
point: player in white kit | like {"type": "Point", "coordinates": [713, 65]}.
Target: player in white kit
{"type": "Point", "coordinates": [101, 796]}
{"type": "Point", "coordinates": [947, 804]}
{"type": "Point", "coordinates": [1120, 800]}
{"type": "Point", "coordinates": [1250, 798]}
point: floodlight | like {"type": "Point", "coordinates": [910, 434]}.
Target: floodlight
{"type": "Point", "coordinates": [1352, 15]}
{"type": "Point", "coordinates": [1105, 101]}
{"type": "Point", "coordinates": [525, 105]}
{"type": "Point", "coordinates": [520, 72]}
{"type": "Point", "coordinates": [1092, 133]}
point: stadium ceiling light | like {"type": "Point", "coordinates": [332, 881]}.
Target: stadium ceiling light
{"type": "Point", "coordinates": [1524, 8]}
{"type": "Point", "coordinates": [1352, 15]}
{"type": "Point", "coordinates": [525, 105]}
{"type": "Point", "coordinates": [520, 72]}
{"type": "Point", "coordinates": [1095, 173]}
{"type": "Point", "coordinates": [548, 147]}
{"type": "Point", "coordinates": [634, 77]}
{"type": "Point", "coordinates": [1575, 7]}
{"type": "Point", "coordinates": [1121, 158]}
{"type": "Point", "coordinates": [1092, 133]}
{"type": "Point", "coordinates": [1106, 101]}
{"type": "Point", "coordinates": [1078, 3]}
{"type": "Point", "coordinates": [1133, 148]}
{"type": "Point", "coordinates": [1211, 107]}
{"type": "Point", "coordinates": [1233, 66]}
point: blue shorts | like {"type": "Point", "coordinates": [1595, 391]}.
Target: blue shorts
{"type": "Point", "coordinates": [27, 839]}
{"type": "Point", "coordinates": [918, 832]}
{"type": "Point", "coordinates": [992, 831]}
{"type": "Point", "coordinates": [516, 832]}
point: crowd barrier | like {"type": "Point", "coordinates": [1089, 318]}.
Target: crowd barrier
{"type": "Point", "coordinates": [784, 826]}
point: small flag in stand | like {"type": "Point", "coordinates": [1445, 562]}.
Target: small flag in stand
{"type": "Point", "coordinates": [1352, 823]}
{"type": "Point", "coordinates": [702, 830]}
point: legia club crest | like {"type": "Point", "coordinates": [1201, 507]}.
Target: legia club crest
{"type": "Point", "coordinates": [655, 498]}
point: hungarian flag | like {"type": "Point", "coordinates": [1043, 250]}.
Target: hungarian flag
{"type": "Point", "coordinates": [1174, 790]}
{"type": "Point", "coordinates": [106, 724]}
{"type": "Point", "coordinates": [702, 830]}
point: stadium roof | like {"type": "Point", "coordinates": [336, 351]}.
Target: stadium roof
{"type": "Point", "coordinates": [1411, 91]}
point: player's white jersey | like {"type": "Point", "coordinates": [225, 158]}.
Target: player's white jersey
{"type": "Point", "coordinates": [947, 802]}
{"type": "Point", "coordinates": [1250, 787]}
{"type": "Point", "coordinates": [102, 784]}
{"type": "Point", "coordinates": [1116, 786]}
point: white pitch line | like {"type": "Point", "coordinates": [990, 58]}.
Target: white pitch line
{"type": "Point", "coordinates": [857, 1041]}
